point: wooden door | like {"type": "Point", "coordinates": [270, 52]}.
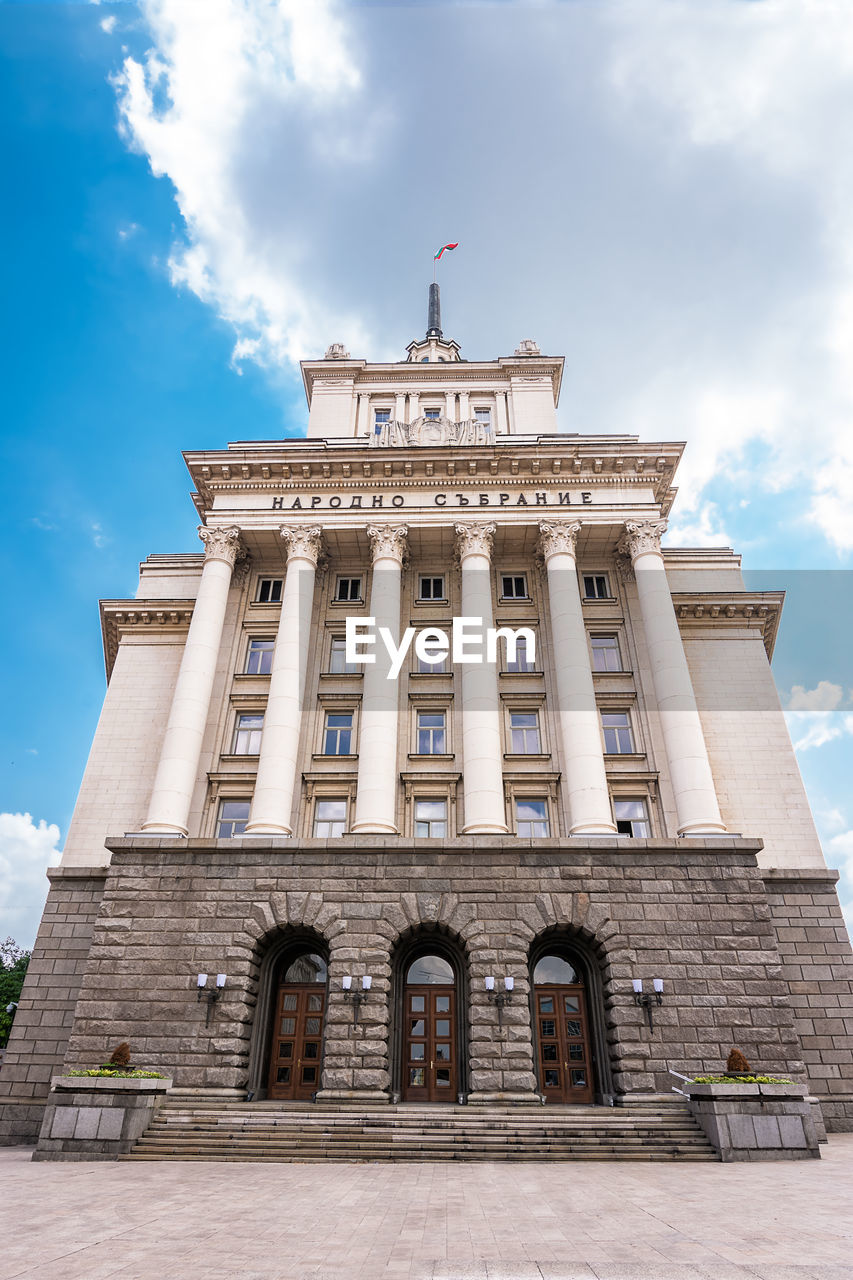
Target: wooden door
{"type": "Point", "coordinates": [430, 1070]}
{"type": "Point", "coordinates": [565, 1064]}
{"type": "Point", "coordinates": [297, 1048]}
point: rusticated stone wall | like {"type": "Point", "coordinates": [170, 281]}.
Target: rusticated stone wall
{"type": "Point", "coordinates": [817, 964]}
{"type": "Point", "coordinates": [693, 912]}
{"type": "Point", "coordinates": [45, 1013]}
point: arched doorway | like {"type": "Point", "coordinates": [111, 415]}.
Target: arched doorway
{"type": "Point", "coordinates": [296, 1048]}
{"type": "Point", "coordinates": [564, 1050]}
{"type": "Point", "coordinates": [430, 1063]}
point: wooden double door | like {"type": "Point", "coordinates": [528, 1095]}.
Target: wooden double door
{"type": "Point", "coordinates": [296, 1060]}
{"type": "Point", "coordinates": [562, 1039]}
{"type": "Point", "coordinates": [430, 1050]}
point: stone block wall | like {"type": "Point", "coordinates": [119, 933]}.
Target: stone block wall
{"type": "Point", "coordinates": [46, 1009]}
{"type": "Point", "coordinates": [817, 964]}
{"type": "Point", "coordinates": [693, 912]}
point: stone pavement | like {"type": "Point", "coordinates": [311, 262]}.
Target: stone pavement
{"type": "Point", "coordinates": [786, 1221]}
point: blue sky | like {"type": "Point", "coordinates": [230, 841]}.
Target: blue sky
{"type": "Point", "coordinates": [200, 195]}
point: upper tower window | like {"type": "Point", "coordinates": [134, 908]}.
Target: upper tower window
{"type": "Point", "coordinates": [432, 415]}
{"type": "Point", "coordinates": [269, 591]}
{"type": "Point", "coordinates": [483, 414]}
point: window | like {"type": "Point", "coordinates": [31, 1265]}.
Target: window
{"type": "Point", "coordinates": [337, 737]}
{"type": "Point", "coordinates": [431, 589]}
{"type": "Point", "coordinates": [338, 664]}
{"type": "Point", "coordinates": [632, 818]}
{"type": "Point", "coordinates": [618, 738]}
{"type": "Point", "coordinates": [233, 816]}
{"type": "Point", "coordinates": [269, 590]}
{"type": "Point", "coordinates": [605, 653]}
{"type": "Point", "coordinates": [259, 657]}
{"type": "Point", "coordinates": [330, 818]}
{"type": "Point", "coordinates": [247, 735]}
{"type": "Point", "coordinates": [595, 586]}
{"type": "Point", "coordinates": [531, 818]}
{"type": "Point", "coordinates": [432, 415]}
{"type": "Point", "coordinates": [433, 668]}
{"type": "Point", "coordinates": [524, 733]}
{"type": "Point", "coordinates": [482, 414]}
{"type": "Point", "coordinates": [521, 662]}
{"type": "Point", "coordinates": [432, 737]}
{"type": "Point", "coordinates": [514, 586]}
{"type": "Point", "coordinates": [381, 415]}
{"type": "Point", "coordinates": [348, 589]}
{"type": "Point", "coordinates": [430, 818]}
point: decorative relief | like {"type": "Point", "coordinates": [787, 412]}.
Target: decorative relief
{"type": "Point", "coordinates": [475, 539]}
{"type": "Point", "coordinates": [432, 431]}
{"type": "Point", "coordinates": [303, 540]}
{"type": "Point", "coordinates": [527, 347]}
{"type": "Point", "coordinates": [558, 538]}
{"type": "Point", "coordinates": [336, 351]}
{"type": "Point", "coordinates": [641, 537]}
{"type": "Point", "coordinates": [388, 541]}
{"type": "Point", "coordinates": [222, 544]}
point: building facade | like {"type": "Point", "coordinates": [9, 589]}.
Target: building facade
{"type": "Point", "coordinates": [437, 878]}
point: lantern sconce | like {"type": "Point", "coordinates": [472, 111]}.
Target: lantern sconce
{"type": "Point", "coordinates": [356, 998]}
{"type": "Point", "coordinates": [211, 994]}
{"type": "Point", "coordinates": [499, 998]}
{"type": "Point", "coordinates": [645, 1000]}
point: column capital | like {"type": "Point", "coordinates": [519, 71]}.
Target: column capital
{"type": "Point", "coordinates": [388, 541]}
{"type": "Point", "coordinates": [642, 537]}
{"type": "Point", "coordinates": [558, 537]}
{"type": "Point", "coordinates": [222, 544]}
{"type": "Point", "coordinates": [303, 542]}
{"type": "Point", "coordinates": [475, 539]}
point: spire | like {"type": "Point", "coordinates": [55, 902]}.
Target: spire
{"type": "Point", "coordinates": [434, 314]}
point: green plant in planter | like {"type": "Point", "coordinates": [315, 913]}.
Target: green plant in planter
{"type": "Point", "coordinates": [740, 1078]}
{"type": "Point", "coordinates": [105, 1073]}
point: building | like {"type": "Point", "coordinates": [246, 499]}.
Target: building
{"type": "Point", "coordinates": [614, 798]}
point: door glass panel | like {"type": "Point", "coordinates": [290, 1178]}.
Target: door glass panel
{"type": "Point", "coordinates": [311, 1049]}
{"type": "Point", "coordinates": [576, 1052]}
{"type": "Point", "coordinates": [442, 1052]}
{"type": "Point", "coordinates": [573, 1028]}
{"type": "Point", "coordinates": [417, 1027]}
{"type": "Point", "coordinates": [285, 1048]}
{"type": "Point", "coordinates": [572, 1004]}
{"type": "Point", "coordinates": [552, 1079]}
{"type": "Point", "coordinates": [315, 1003]}
{"type": "Point", "coordinates": [290, 1001]}
{"type": "Point", "coordinates": [416, 1077]}
{"type": "Point", "coordinates": [442, 1004]}
{"type": "Point", "coordinates": [416, 1004]}
{"type": "Point", "coordinates": [442, 1026]}
{"type": "Point", "coordinates": [578, 1078]}
{"type": "Point", "coordinates": [288, 1026]}
{"type": "Point", "coordinates": [546, 1004]}
{"type": "Point", "coordinates": [549, 1053]}
{"type": "Point", "coordinates": [309, 1075]}
{"type": "Point", "coordinates": [283, 1075]}
{"type": "Point", "coordinates": [312, 1026]}
{"type": "Point", "coordinates": [548, 1027]}
{"type": "Point", "coordinates": [442, 1077]}
{"type": "Point", "coordinates": [416, 1053]}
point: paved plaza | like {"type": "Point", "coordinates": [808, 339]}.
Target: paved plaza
{"type": "Point", "coordinates": [428, 1221]}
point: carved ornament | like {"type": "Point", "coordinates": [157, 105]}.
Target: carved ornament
{"type": "Point", "coordinates": [558, 538]}
{"type": "Point", "coordinates": [222, 544]}
{"type": "Point", "coordinates": [303, 541]}
{"type": "Point", "coordinates": [475, 539]}
{"type": "Point", "coordinates": [433, 431]}
{"type": "Point", "coordinates": [527, 347]}
{"type": "Point", "coordinates": [641, 537]}
{"type": "Point", "coordinates": [388, 541]}
{"type": "Point", "coordinates": [336, 351]}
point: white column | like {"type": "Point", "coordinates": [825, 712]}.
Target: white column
{"type": "Point", "coordinates": [376, 798]}
{"type": "Point", "coordinates": [177, 771]}
{"type": "Point", "coordinates": [482, 761]}
{"type": "Point", "coordinates": [272, 802]}
{"type": "Point", "coordinates": [689, 769]}
{"type": "Point", "coordinates": [584, 778]}
{"type": "Point", "coordinates": [450, 405]}
{"type": "Point", "coordinates": [502, 424]}
{"type": "Point", "coordinates": [400, 406]}
{"type": "Point", "coordinates": [362, 417]}
{"type": "Point", "coordinates": [414, 405]}
{"type": "Point", "coordinates": [464, 406]}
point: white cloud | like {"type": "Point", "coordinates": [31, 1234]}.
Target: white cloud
{"type": "Point", "coordinates": [824, 697]}
{"type": "Point", "coordinates": [218, 105]}
{"type": "Point", "coordinates": [814, 715]}
{"type": "Point", "coordinates": [705, 529]}
{"type": "Point", "coordinates": [109, 24]}
{"type": "Point", "coordinates": [27, 849]}
{"type": "Point", "coordinates": [99, 538]}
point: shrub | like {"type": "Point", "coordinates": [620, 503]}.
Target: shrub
{"type": "Point", "coordinates": [737, 1062]}
{"type": "Point", "coordinates": [120, 1057]}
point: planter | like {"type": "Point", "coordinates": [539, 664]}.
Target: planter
{"type": "Point", "coordinates": [97, 1117]}
{"type": "Point", "coordinates": [755, 1121]}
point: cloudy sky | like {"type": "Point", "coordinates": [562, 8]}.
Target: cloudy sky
{"type": "Point", "coordinates": [208, 190]}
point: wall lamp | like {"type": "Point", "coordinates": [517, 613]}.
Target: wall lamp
{"type": "Point", "coordinates": [500, 998]}
{"type": "Point", "coordinates": [645, 1000]}
{"type": "Point", "coordinates": [356, 998]}
{"type": "Point", "coordinates": [211, 994]}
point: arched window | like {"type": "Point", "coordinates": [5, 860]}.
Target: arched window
{"type": "Point", "coordinates": [308, 967]}
{"type": "Point", "coordinates": [552, 970]}
{"type": "Point", "coordinates": [429, 971]}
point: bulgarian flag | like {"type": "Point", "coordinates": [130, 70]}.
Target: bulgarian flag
{"type": "Point", "coordinates": [442, 249]}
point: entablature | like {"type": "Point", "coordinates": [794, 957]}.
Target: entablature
{"type": "Point", "coordinates": [762, 610]}
{"type": "Point", "coordinates": [153, 619]}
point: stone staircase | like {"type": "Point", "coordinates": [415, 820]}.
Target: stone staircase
{"type": "Point", "coordinates": [280, 1132]}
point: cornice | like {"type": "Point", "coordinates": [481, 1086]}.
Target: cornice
{"type": "Point", "coordinates": [162, 618]}
{"type": "Point", "coordinates": [697, 610]}
{"type": "Point", "coordinates": [361, 375]}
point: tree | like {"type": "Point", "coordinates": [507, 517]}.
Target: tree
{"type": "Point", "coordinates": [13, 969]}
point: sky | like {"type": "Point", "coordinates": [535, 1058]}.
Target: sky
{"type": "Point", "coordinates": [202, 192]}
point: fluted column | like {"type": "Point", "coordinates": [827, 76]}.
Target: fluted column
{"type": "Point", "coordinates": [689, 769]}
{"type": "Point", "coordinates": [376, 799]}
{"type": "Point", "coordinates": [502, 424]}
{"type": "Point", "coordinates": [584, 777]}
{"type": "Point", "coordinates": [414, 405]}
{"type": "Point", "coordinates": [482, 761]}
{"type": "Point", "coordinates": [450, 405]}
{"type": "Point", "coordinates": [363, 425]}
{"type": "Point", "coordinates": [177, 771]}
{"type": "Point", "coordinates": [273, 799]}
